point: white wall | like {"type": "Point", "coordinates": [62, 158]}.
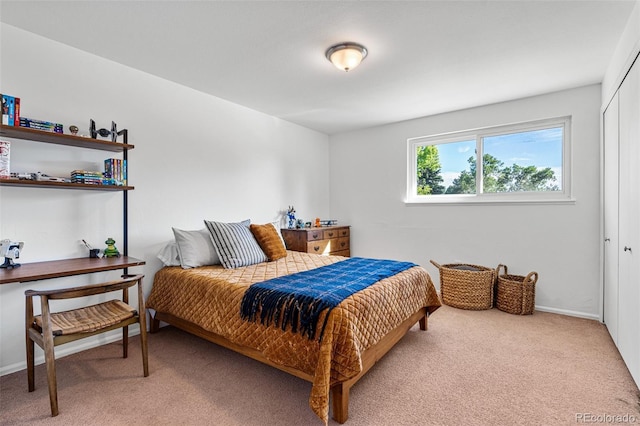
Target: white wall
{"type": "Point", "coordinates": [560, 242]}
{"type": "Point", "coordinates": [196, 157]}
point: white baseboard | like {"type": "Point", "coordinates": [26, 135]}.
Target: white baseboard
{"type": "Point", "coordinates": [568, 312]}
{"type": "Point", "coordinates": [72, 348]}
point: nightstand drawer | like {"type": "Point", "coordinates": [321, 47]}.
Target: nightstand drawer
{"type": "Point", "coordinates": [315, 235]}
{"type": "Point", "coordinates": [339, 244]}
{"type": "Point", "coordinates": [328, 246]}
{"type": "Point", "coordinates": [330, 233]}
{"type": "Point", "coordinates": [319, 247]}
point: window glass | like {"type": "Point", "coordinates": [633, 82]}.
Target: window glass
{"type": "Point", "coordinates": [523, 161]}
{"type": "Point", "coordinates": [455, 166]}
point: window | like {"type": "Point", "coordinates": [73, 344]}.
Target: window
{"type": "Point", "coordinates": [520, 162]}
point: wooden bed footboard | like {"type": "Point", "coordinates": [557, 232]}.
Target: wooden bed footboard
{"type": "Point", "coordinates": [339, 391]}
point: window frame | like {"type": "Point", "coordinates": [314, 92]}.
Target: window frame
{"type": "Point", "coordinates": [562, 196]}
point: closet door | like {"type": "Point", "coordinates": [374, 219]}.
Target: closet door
{"type": "Point", "coordinates": [629, 226]}
{"type": "Point", "coordinates": [611, 218]}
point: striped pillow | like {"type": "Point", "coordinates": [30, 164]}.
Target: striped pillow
{"type": "Point", "coordinates": [235, 244]}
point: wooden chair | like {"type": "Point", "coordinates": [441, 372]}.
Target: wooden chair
{"type": "Point", "coordinates": [52, 329]}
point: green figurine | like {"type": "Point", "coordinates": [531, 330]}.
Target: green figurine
{"type": "Point", "coordinates": [111, 250]}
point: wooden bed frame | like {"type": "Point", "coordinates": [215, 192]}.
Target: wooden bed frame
{"type": "Point", "coordinates": [339, 391]}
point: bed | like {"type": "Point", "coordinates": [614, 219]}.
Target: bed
{"type": "Point", "coordinates": [206, 301]}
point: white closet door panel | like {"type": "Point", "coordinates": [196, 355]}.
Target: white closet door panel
{"type": "Point", "coordinates": [610, 274]}
{"type": "Point", "coordinates": [629, 227]}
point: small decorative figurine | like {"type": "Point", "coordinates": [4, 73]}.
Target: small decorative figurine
{"type": "Point", "coordinates": [73, 129]}
{"type": "Point", "coordinates": [111, 250]}
{"type": "Point", "coordinates": [291, 214]}
{"type": "Point", "coordinates": [299, 224]}
{"type": "Point", "coordinates": [114, 133]}
{"type": "Point", "coordinates": [317, 224]}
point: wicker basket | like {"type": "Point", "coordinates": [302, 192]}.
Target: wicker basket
{"type": "Point", "coordinates": [516, 294]}
{"type": "Point", "coordinates": [466, 286]}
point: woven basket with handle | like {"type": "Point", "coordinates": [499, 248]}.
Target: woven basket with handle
{"type": "Point", "coordinates": [466, 286]}
{"type": "Point", "coordinates": [516, 294]}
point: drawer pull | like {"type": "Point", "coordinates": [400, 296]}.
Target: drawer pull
{"type": "Point", "coordinates": [331, 234]}
{"type": "Point", "coordinates": [342, 244]}
{"type": "Point", "coordinates": [315, 235]}
{"type": "Point", "coordinates": [316, 248]}
{"type": "Point", "coordinates": [344, 233]}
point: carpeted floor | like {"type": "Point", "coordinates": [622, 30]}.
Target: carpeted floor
{"type": "Point", "coordinates": [469, 368]}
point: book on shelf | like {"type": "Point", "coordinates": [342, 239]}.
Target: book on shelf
{"type": "Point", "coordinates": [5, 156]}
{"type": "Point", "coordinates": [46, 126]}
{"type": "Point", "coordinates": [16, 107]}
{"type": "Point", "coordinates": [10, 110]}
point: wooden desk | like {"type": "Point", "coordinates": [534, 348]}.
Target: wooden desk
{"type": "Point", "coordinates": [64, 268]}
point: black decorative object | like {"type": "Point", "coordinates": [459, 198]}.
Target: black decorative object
{"type": "Point", "coordinates": [114, 133]}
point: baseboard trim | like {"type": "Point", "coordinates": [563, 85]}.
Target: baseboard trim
{"type": "Point", "coordinates": [72, 348]}
{"type": "Point", "coordinates": [568, 312]}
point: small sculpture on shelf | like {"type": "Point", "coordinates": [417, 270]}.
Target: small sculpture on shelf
{"type": "Point", "coordinates": [11, 251]}
{"type": "Point", "coordinates": [291, 214]}
{"type": "Point", "coordinates": [114, 133]}
{"type": "Point", "coordinates": [299, 224]}
{"type": "Point", "coordinates": [73, 129]}
{"type": "Point", "coordinates": [111, 250]}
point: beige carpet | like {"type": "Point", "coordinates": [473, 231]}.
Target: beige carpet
{"type": "Point", "coordinates": [469, 368]}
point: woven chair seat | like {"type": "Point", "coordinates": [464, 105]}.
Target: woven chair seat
{"type": "Point", "coordinates": [90, 318]}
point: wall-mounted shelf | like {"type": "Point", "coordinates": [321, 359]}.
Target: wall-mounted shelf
{"type": "Point", "coordinates": [26, 133]}
{"type": "Point", "coordinates": [67, 185]}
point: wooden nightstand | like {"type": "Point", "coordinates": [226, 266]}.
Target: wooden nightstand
{"type": "Point", "coordinates": [333, 240]}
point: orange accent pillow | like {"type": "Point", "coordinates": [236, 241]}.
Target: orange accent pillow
{"type": "Point", "coordinates": [269, 241]}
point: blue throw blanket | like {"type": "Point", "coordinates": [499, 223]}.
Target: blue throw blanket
{"type": "Point", "coordinates": [298, 299]}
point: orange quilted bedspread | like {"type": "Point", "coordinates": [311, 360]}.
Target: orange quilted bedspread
{"type": "Point", "coordinates": [210, 297]}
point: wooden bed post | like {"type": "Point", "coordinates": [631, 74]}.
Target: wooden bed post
{"type": "Point", "coordinates": [340, 402]}
{"type": "Point", "coordinates": [154, 325]}
{"type": "Point", "coordinates": [424, 322]}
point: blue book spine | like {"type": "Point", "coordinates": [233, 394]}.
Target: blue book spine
{"type": "Point", "coordinates": [8, 110]}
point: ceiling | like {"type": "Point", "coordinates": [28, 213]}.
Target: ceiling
{"type": "Point", "coordinates": [425, 57]}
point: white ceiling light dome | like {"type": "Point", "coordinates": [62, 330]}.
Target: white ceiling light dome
{"type": "Point", "coordinates": [346, 56]}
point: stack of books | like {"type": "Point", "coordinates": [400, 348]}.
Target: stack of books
{"type": "Point", "coordinates": [45, 126]}
{"type": "Point", "coordinates": [116, 169]}
{"type": "Point", "coordinates": [87, 177]}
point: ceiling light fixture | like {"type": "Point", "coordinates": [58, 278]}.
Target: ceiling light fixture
{"type": "Point", "coordinates": [346, 56]}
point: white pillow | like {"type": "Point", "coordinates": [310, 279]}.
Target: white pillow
{"type": "Point", "coordinates": [235, 244]}
{"type": "Point", "coordinates": [169, 254]}
{"type": "Point", "coordinates": [195, 248]}
{"type": "Point", "coordinates": [277, 226]}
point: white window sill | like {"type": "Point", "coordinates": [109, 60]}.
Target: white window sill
{"type": "Point", "coordinates": [488, 200]}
